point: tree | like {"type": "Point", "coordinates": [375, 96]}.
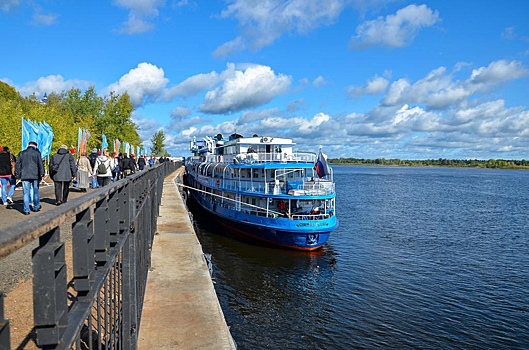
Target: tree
{"type": "Point", "coordinates": [66, 112]}
{"type": "Point", "coordinates": [158, 146]}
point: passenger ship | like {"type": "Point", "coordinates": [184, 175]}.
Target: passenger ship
{"type": "Point", "coordinates": [260, 187]}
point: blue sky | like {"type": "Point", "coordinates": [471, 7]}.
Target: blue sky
{"type": "Point", "coordinates": [364, 79]}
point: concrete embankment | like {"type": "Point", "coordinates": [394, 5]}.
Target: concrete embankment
{"type": "Point", "coordinates": [181, 309]}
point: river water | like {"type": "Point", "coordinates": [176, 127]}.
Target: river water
{"type": "Point", "coordinates": [428, 258]}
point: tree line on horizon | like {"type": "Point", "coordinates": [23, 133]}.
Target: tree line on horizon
{"type": "Point", "coordinates": [442, 162]}
{"type": "Point", "coordinates": [68, 111]}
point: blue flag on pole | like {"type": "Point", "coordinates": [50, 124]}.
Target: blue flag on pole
{"type": "Point", "coordinates": [104, 143]}
{"type": "Point", "coordinates": [30, 132]}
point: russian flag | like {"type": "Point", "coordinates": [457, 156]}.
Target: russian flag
{"type": "Point", "coordinates": [321, 167]}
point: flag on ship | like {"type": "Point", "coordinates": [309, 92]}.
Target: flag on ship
{"type": "Point", "coordinates": [321, 167]}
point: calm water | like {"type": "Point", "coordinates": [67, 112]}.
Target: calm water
{"type": "Point", "coordinates": [423, 258]}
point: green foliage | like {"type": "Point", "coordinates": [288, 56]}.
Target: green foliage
{"type": "Point", "coordinates": [158, 146]}
{"type": "Point", "coordinates": [65, 112]}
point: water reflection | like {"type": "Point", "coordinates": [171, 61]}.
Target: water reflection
{"type": "Point", "coordinates": [265, 290]}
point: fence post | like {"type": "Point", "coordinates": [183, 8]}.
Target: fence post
{"type": "Point", "coordinates": [4, 326]}
{"type": "Point", "coordinates": [50, 298]}
{"type": "Point", "coordinates": [83, 247]}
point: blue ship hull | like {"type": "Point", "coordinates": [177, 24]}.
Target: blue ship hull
{"type": "Point", "coordinates": [281, 232]}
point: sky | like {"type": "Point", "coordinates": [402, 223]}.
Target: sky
{"type": "Point", "coordinates": [354, 78]}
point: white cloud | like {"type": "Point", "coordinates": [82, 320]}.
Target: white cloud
{"type": "Point", "coordinates": [498, 72]}
{"type": "Point", "coordinates": [319, 81]}
{"type": "Point", "coordinates": [180, 112]}
{"type": "Point", "coordinates": [255, 86]}
{"type": "Point", "coordinates": [438, 89]}
{"type": "Point", "coordinates": [8, 5]}
{"type": "Point", "coordinates": [44, 19]}
{"type": "Point", "coordinates": [144, 83]}
{"type": "Point", "coordinates": [140, 14]}
{"type": "Point", "coordinates": [193, 85]}
{"type": "Point", "coordinates": [51, 83]}
{"type": "Point", "coordinates": [396, 30]}
{"type": "Point", "coordinates": [374, 86]}
{"type": "Point", "coordinates": [262, 23]}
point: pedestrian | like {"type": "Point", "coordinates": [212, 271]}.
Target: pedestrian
{"type": "Point", "coordinates": [84, 172]}
{"type": "Point", "coordinates": [141, 163]}
{"type": "Point", "coordinates": [115, 171]}
{"type": "Point", "coordinates": [62, 171]}
{"type": "Point", "coordinates": [92, 158]}
{"type": "Point", "coordinates": [103, 168]}
{"type": "Point", "coordinates": [120, 166]}
{"type": "Point", "coordinates": [7, 175]}
{"type": "Point", "coordinates": [151, 161]}
{"type": "Point", "coordinates": [128, 166]}
{"type": "Point", "coordinates": [30, 170]}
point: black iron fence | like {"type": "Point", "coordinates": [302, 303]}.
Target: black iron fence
{"type": "Point", "coordinates": [112, 233]}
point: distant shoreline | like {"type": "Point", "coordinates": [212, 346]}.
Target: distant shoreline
{"type": "Point", "coordinates": [437, 163]}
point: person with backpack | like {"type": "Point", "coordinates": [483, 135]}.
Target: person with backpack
{"type": "Point", "coordinates": [103, 168]}
{"type": "Point", "coordinates": [7, 175]}
{"type": "Point", "coordinates": [62, 170]}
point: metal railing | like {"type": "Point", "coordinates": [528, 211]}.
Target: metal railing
{"type": "Point", "coordinates": [112, 233]}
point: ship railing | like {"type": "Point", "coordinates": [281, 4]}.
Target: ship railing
{"type": "Point", "coordinates": [317, 187]}
{"type": "Point", "coordinates": [307, 188]}
{"type": "Point", "coordinates": [250, 158]}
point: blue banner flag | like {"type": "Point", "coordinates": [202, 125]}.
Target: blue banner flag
{"type": "Point", "coordinates": [104, 143]}
{"type": "Point", "coordinates": [30, 132]}
{"type": "Point", "coordinates": [45, 139]}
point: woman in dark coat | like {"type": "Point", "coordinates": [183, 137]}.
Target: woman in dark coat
{"type": "Point", "coordinates": [7, 175]}
{"type": "Point", "coordinates": [64, 175]}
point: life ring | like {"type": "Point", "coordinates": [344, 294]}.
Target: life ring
{"type": "Point", "coordinates": [218, 182]}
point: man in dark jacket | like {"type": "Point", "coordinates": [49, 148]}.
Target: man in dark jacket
{"type": "Point", "coordinates": [129, 166]}
{"type": "Point", "coordinates": [30, 169]}
{"type": "Point", "coordinates": [141, 163]}
{"type": "Point", "coordinates": [92, 158]}
{"type": "Point", "coordinates": [65, 172]}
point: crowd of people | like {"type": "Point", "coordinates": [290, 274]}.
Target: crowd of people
{"type": "Point", "coordinates": [98, 169]}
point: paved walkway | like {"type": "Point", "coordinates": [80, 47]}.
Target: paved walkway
{"type": "Point", "coordinates": [14, 214]}
{"type": "Point", "coordinates": [181, 309]}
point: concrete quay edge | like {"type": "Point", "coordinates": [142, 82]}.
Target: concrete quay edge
{"type": "Point", "coordinates": [181, 309]}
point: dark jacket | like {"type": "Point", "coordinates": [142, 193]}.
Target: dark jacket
{"type": "Point", "coordinates": [29, 165]}
{"type": "Point", "coordinates": [92, 158]}
{"type": "Point", "coordinates": [67, 168]}
{"type": "Point", "coordinates": [5, 162]}
{"type": "Point", "coordinates": [128, 163]}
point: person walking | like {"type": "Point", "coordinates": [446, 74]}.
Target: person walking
{"type": "Point", "coordinates": [30, 170]}
{"type": "Point", "coordinates": [128, 166]}
{"type": "Point", "coordinates": [92, 158]}
{"type": "Point", "coordinates": [84, 172]}
{"type": "Point", "coordinates": [103, 168]}
{"type": "Point", "coordinates": [7, 175]}
{"type": "Point", "coordinates": [141, 163]}
{"type": "Point", "coordinates": [115, 171]}
{"type": "Point", "coordinates": [62, 171]}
